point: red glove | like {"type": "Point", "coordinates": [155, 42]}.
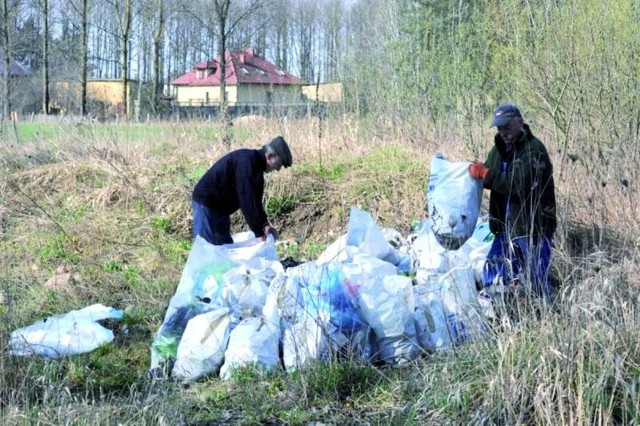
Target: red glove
{"type": "Point", "coordinates": [478, 170]}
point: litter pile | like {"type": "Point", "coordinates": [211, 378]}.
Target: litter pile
{"type": "Point", "coordinates": [371, 293]}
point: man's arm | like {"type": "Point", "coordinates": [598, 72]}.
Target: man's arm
{"type": "Point", "coordinates": [250, 191]}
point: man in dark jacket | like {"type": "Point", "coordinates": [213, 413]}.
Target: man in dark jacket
{"type": "Point", "coordinates": [522, 203]}
{"type": "Point", "coordinates": [236, 181]}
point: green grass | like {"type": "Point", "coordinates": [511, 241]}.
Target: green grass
{"type": "Point", "coordinates": [29, 132]}
{"type": "Point", "coordinates": [197, 172]}
{"type": "Point", "coordinates": [52, 250]}
{"type": "Point", "coordinates": [301, 252]}
{"type": "Point", "coordinates": [121, 226]}
{"type": "Point", "coordinates": [281, 205]}
{"type": "Point", "coordinates": [334, 170]}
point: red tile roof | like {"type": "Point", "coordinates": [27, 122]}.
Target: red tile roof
{"type": "Point", "coordinates": [243, 67]}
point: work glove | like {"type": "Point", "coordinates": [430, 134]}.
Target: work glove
{"type": "Point", "coordinates": [478, 170]}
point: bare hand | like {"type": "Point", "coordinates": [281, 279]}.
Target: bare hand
{"type": "Point", "coordinates": [270, 230]}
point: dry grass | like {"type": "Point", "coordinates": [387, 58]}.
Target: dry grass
{"type": "Point", "coordinates": [115, 212]}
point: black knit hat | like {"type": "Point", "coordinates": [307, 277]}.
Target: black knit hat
{"type": "Point", "coordinates": [280, 147]}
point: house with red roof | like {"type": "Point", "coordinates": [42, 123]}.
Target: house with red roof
{"type": "Point", "coordinates": [15, 68]}
{"type": "Point", "coordinates": [24, 94]}
{"type": "Point", "coordinates": [251, 82]}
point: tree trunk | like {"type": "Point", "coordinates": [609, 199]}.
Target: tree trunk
{"type": "Point", "coordinates": [126, 33]}
{"type": "Point", "coordinates": [45, 57]}
{"type": "Point", "coordinates": [158, 47]}
{"type": "Point", "coordinates": [222, 13]}
{"type": "Point", "coordinates": [6, 54]}
{"type": "Point", "coordinates": [84, 56]}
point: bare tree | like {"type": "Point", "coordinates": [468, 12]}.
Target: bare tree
{"type": "Point", "coordinates": [5, 45]}
{"type": "Point", "coordinates": [333, 21]}
{"type": "Point", "coordinates": [227, 20]}
{"type": "Point", "coordinates": [44, 10]}
{"type": "Point", "coordinates": [123, 15]}
{"type": "Point", "coordinates": [304, 30]}
{"type": "Point", "coordinates": [158, 50]}
{"type": "Point", "coordinates": [280, 30]}
{"type": "Point", "coordinates": [221, 8]}
{"type": "Point", "coordinates": [82, 8]}
{"type": "Point", "coordinates": [125, 26]}
{"type": "Point", "coordinates": [84, 58]}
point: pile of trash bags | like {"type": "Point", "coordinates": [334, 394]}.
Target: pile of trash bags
{"type": "Point", "coordinates": [372, 294]}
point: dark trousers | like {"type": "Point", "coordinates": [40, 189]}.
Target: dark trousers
{"type": "Point", "coordinates": [528, 258]}
{"type": "Point", "coordinates": [210, 225]}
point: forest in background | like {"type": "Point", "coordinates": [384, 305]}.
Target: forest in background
{"type": "Point", "coordinates": [107, 204]}
{"type": "Point", "coordinates": [411, 69]}
{"type": "Point", "coordinates": [414, 63]}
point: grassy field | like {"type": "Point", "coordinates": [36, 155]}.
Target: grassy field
{"type": "Point", "coordinates": [108, 208]}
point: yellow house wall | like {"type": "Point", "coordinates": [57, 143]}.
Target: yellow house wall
{"type": "Point", "coordinates": [107, 92]}
{"type": "Point", "coordinates": [257, 94]}
{"type": "Point", "coordinates": [232, 94]}
{"type": "Point", "coordinates": [197, 94]}
{"type": "Point", "coordinates": [245, 94]}
{"type": "Point", "coordinates": [330, 92]}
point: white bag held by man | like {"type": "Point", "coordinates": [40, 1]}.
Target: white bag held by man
{"type": "Point", "coordinates": [453, 201]}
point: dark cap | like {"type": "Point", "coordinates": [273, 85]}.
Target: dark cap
{"type": "Point", "coordinates": [504, 113]}
{"type": "Point", "coordinates": [280, 147]}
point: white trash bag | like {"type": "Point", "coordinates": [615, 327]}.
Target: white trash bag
{"type": "Point", "coordinates": [387, 304]}
{"type": "Point", "coordinates": [73, 333]}
{"type": "Point", "coordinates": [431, 318]}
{"type": "Point", "coordinates": [363, 236]}
{"type": "Point", "coordinates": [460, 299]}
{"type": "Point", "coordinates": [432, 258]}
{"type": "Point", "coordinates": [255, 341]}
{"type": "Point", "coordinates": [202, 289]}
{"type": "Point", "coordinates": [453, 201]}
{"type": "Point", "coordinates": [201, 349]}
{"type": "Point", "coordinates": [305, 342]}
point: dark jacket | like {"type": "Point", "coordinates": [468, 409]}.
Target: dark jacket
{"type": "Point", "coordinates": [236, 181]}
{"type": "Point", "coordinates": [522, 200]}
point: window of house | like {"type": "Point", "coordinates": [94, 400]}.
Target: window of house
{"type": "Point", "coordinates": [261, 72]}
{"type": "Point", "coordinates": [269, 97]}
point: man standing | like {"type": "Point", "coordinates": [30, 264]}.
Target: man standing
{"type": "Point", "coordinates": [522, 204]}
{"type": "Point", "coordinates": [236, 181]}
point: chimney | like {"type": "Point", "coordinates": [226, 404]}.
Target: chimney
{"type": "Point", "coordinates": [250, 51]}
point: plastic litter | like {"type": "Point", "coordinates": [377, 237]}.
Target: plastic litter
{"type": "Point", "coordinates": [452, 218]}
{"type": "Point", "coordinates": [355, 300]}
{"type": "Point", "coordinates": [72, 333]}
